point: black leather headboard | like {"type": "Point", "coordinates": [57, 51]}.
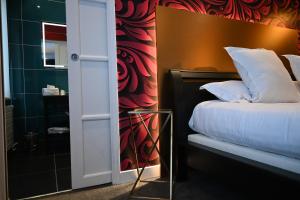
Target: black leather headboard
{"type": "Point", "coordinates": [186, 95]}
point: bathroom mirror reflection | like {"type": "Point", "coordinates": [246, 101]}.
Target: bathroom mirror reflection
{"type": "Point", "coordinates": [54, 45]}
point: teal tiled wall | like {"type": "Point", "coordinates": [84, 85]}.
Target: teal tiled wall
{"type": "Point", "coordinates": [27, 73]}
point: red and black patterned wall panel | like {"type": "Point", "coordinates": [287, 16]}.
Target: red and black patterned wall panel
{"type": "Point", "coordinates": [136, 54]}
{"type": "Point", "coordinates": [276, 12]}
{"type": "Point", "coordinates": [136, 51]}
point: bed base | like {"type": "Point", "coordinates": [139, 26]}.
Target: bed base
{"type": "Point", "coordinates": [186, 95]}
{"type": "Point", "coordinates": [278, 164]}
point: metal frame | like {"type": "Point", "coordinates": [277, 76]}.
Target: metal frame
{"type": "Point", "coordinates": [154, 147]}
{"type": "Point", "coordinates": [197, 147]}
{"type": "Point", "coordinates": [44, 45]}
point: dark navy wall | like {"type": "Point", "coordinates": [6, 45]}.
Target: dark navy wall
{"type": "Point", "coordinates": [27, 73]}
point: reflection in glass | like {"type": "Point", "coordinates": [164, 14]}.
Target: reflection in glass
{"type": "Point", "coordinates": [54, 45]}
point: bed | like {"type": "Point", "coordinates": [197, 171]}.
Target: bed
{"type": "Point", "coordinates": [239, 131]}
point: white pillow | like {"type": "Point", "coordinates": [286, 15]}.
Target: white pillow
{"type": "Point", "coordinates": [295, 65]}
{"type": "Point", "coordinates": [265, 75]}
{"type": "Point", "coordinates": [231, 91]}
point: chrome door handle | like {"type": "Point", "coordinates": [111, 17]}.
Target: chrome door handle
{"type": "Point", "coordinates": [74, 57]}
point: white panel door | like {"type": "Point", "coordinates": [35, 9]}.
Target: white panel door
{"type": "Point", "coordinates": [92, 90]}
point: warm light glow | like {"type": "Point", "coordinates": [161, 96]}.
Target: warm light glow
{"type": "Point", "coordinates": [276, 38]}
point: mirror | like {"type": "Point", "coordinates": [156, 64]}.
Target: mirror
{"type": "Point", "coordinates": [54, 45]}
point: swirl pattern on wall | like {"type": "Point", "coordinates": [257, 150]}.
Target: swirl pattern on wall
{"type": "Point", "coordinates": [136, 52]}
{"type": "Point", "coordinates": [276, 12]}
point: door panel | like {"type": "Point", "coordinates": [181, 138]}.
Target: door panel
{"type": "Point", "coordinates": [92, 91]}
{"type": "Point", "coordinates": [93, 24]}
{"type": "Point", "coordinates": [95, 148]}
{"type": "Point", "coordinates": [95, 97]}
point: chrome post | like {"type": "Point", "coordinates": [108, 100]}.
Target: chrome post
{"type": "Point", "coordinates": [154, 147]}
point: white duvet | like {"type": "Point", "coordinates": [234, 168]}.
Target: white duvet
{"type": "Point", "coordinates": [268, 127]}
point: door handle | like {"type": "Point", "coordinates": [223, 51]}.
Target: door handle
{"type": "Point", "coordinates": [74, 57]}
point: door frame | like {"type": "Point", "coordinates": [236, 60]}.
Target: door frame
{"type": "Point", "coordinates": [118, 176]}
{"type": "Point", "coordinates": [113, 86]}
{"type": "Point", "coordinates": [111, 59]}
{"type": "Point", "coordinates": [3, 174]}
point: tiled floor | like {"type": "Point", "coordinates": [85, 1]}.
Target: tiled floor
{"type": "Point", "coordinates": [35, 173]}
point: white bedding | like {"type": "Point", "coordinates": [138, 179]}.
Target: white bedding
{"type": "Point", "coordinates": [269, 127]}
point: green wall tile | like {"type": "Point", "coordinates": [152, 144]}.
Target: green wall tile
{"type": "Point", "coordinates": [31, 10]}
{"type": "Point", "coordinates": [62, 1]}
{"type": "Point", "coordinates": [35, 124]}
{"type": "Point", "coordinates": [33, 57]}
{"type": "Point", "coordinates": [11, 83]}
{"type": "Point", "coordinates": [14, 31]}
{"type": "Point", "coordinates": [32, 33]}
{"type": "Point", "coordinates": [61, 80]}
{"type": "Point", "coordinates": [39, 10]}
{"type": "Point", "coordinates": [15, 56]}
{"type": "Point", "coordinates": [14, 9]}
{"type": "Point", "coordinates": [29, 58]}
{"type": "Point", "coordinates": [19, 106]}
{"type": "Point", "coordinates": [35, 80]}
{"type": "Point", "coordinates": [19, 128]}
{"type": "Point", "coordinates": [34, 105]}
{"type": "Point", "coordinates": [18, 80]}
